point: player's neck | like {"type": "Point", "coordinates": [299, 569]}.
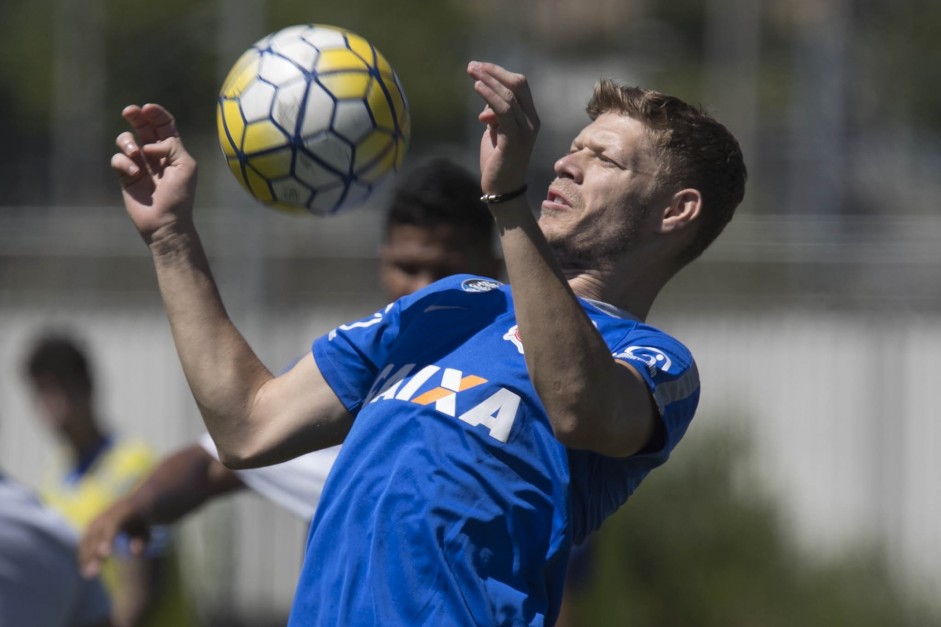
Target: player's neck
{"type": "Point", "coordinates": [633, 296]}
{"type": "Point", "coordinates": [85, 439]}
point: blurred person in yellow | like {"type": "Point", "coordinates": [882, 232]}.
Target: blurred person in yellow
{"type": "Point", "coordinates": [94, 468]}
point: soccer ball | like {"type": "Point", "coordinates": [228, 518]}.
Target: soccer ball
{"type": "Point", "coordinates": [312, 118]}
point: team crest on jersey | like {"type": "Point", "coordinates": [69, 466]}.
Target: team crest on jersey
{"type": "Point", "coordinates": [513, 335]}
{"type": "Point", "coordinates": [479, 285]}
{"type": "Point", "coordinates": [653, 359]}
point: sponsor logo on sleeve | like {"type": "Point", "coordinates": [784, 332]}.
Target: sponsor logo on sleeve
{"type": "Point", "coordinates": [653, 359]}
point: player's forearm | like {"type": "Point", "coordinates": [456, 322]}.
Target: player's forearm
{"type": "Point", "coordinates": [182, 483]}
{"type": "Point", "coordinates": [568, 361]}
{"type": "Point", "coordinates": [220, 367]}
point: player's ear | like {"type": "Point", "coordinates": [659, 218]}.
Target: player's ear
{"type": "Point", "coordinates": [683, 210]}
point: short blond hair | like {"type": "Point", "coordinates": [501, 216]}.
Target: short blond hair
{"type": "Point", "coordinates": [692, 150]}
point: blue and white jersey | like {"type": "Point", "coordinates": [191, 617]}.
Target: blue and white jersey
{"type": "Point", "coordinates": [451, 501]}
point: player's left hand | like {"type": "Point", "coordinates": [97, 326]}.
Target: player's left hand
{"type": "Point", "coordinates": [512, 126]}
{"type": "Point", "coordinates": [158, 175]}
{"type": "Point", "coordinates": [97, 542]}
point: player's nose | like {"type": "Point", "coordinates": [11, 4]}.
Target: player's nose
{"type": "Point", "coordinates": [569, 166]}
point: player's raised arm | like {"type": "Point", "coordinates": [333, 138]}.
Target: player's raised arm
{"type": "Point", "coordinates": [254, 418]}
{"type": "Point", "coordinates": [592, 402]}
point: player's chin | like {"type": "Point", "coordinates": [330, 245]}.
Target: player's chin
{"type": "Point", "coordinates": [559, 244]}
{"type": "Point", "coordinates": [554, 222]}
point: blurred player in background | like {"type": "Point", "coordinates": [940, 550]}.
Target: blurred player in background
{"type": "Point", "coordinates": [435, 226]}
{"type": "Point", "coordinates": [40, 584]}
{"type": "Point", "coordinates": [94, 468]}
{"type": "Point", "coordinates": [485, 427]}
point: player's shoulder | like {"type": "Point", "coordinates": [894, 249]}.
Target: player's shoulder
{"type": "Point", "coordinates": [464, 283]}
{"type": "Point", "coordinates": [16, 496]}
{"type": "Point", "coordinates": [473, 284]}
{"type": "Point", "coordinates": [458, 288]}
{"type": "Point", "coordinates": [627, 334]}
{"type": "Point", "coordinates": [656, 337]}
{"type": "Point", "coordinates": [659, 352]}
{"type": "Point", "coordinates": [20, 505]}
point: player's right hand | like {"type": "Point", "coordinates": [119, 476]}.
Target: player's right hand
{"type": "Point", "coordinates": [158, 176]}
{"type": "Point", "coordinates": [97, 543]}
{"type": "Point", "coordinates": [511, 125]}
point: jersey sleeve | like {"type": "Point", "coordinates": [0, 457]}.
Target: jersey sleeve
{"type": "Point", "coordinates": [350, 356]}
{"type": "Point", "coordinates": [601, 484]}
{"type": "Point", "coordinates": [671, 376]}
{"type": "Point", "coordinates": [354, 356]}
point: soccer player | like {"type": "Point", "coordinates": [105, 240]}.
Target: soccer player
{"type": "Point", "coordinates": [435, 226]}
{"type": "Point", "coordinates": [95, 468]}
{"type": "Point", "coordinates": [485, 427]}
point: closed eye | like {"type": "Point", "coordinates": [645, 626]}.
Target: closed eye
{"type": "Point", "coordinates": [608, 161]}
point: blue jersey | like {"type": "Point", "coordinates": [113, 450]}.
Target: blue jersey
{"type": "Point", "coordinates": [451, 501]}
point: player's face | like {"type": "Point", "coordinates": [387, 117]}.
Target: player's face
{"type": "Point", "coordinates": [602, 199]}
{"type": "Point", "coordinates": [415, 256]}
{"type": "Point", "coordinates": [58, 405]}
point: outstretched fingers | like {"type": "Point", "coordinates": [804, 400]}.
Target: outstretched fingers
{"type": "Point", "coordinates": [506, 93]}
{"type": "Point", "coordinates": [128, 162]}
{"type": "Point", "coordinates": [143, 131]}
{"type": "Point", "coordinates": [145, 150]}
{"type": "Point", "coordinates": [161, 121]}
{"type": "Point", "coordinates": [157, 174]}
{"type": "Point", "coordinates": [150, 123]}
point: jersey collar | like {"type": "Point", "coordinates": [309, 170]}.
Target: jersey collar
{"type": "Point", "coordinates": [611, 310]}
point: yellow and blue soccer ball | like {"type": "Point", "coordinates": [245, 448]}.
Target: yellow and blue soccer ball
{"type": "Point", "coordinates": [312, 118]}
